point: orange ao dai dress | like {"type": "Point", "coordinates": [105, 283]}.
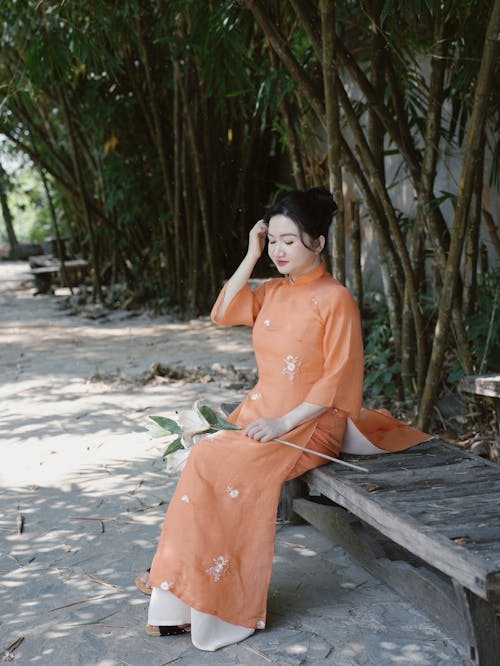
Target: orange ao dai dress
{"type": "Point", "coordinates": [213, 561]}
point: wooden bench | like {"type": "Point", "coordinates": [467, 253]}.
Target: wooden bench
{"type": "Point", "coordinates": [425, 521]}
{"type": "Point", "coordinates": [45, 276]}
{"type": "Point", "coordinates": [489, 386]}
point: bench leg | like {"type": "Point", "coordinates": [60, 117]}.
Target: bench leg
{"type": "Point", "coordinates": [289, 492]}
{"type": "Point", "coordinates": [43, 284]}
{"type": "Point", "coordinates": [482, 626]}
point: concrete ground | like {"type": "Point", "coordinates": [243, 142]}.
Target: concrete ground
{"type": "Point", "coordinates": [83, 492]}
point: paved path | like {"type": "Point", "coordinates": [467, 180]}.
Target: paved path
{"type": "Point", "coordinates": [78, 470]}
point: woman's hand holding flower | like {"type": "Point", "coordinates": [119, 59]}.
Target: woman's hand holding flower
{"type": "Point", "coordinates": [264, 430]}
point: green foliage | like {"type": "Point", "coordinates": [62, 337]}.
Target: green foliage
{"type": "Point", "coordinates": [382, 370]}
{"type": "Point", "coordinates": [93, 93]}
{"type": "Point", "coordinates": [483, 327]}
{"type": "Point", "coordinates": [27, 203]}
{"type": "Point", "coordinates": [162, 127]}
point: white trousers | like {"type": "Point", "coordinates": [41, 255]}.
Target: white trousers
{"type": "Point", "coordinates": [208, 632]}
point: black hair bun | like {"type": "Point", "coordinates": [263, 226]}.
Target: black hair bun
{"type": "Point", "coordinates": [322, 201]}
{"type": "Point", "coordinates": [311, 210]}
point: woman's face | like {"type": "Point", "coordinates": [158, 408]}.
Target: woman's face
{"type": "Point", "coordinates": [286, 249]}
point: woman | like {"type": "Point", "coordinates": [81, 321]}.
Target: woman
{"type": "Point", "coordinates": [212, 566]}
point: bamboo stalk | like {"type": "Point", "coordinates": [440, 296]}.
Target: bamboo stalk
{"type": "Point", "coordinates": [332, 122]}
{"type": "Point", "coordinates": [357, 273]}
{"type": "Point", "coordinates": [472, 152]}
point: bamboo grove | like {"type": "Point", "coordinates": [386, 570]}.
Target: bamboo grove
{"type": "Point", "coordinates": [161, 129]}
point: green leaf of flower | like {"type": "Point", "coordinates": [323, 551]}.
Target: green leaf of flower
{"type": "Point", "coordinates": [168, 426]}
{"type": "Point", "coordinates": [208, 414]}
{"type": "Point", "coordinates": [176, 445]}
{"type": "Point", "coordinates": [216, 421]}
{"type": "Point", "coordinates": [226, 425]}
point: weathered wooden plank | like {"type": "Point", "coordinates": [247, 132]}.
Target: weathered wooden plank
{"type": "Point", "coordinates": [487, 550]}
{"type": "Point", "coordinates": [481, 385]}
{"type": "Point", "coordinates": [471, 533]}
{"type": "Point", "coordinates": [434, 450]}
{"type": "Point", "coordinates": [490, 501]}
{"type": "Point", "coordinates": [419, 490]}
{"type": "Point", "coordinates": [460, 472]}
{"type": "Point", "coordinates": [392, 462]}
{"type": "Point", "coordinates": [486, 514]}
{"type": "Point", "coordinates": [469, 569]}
{"type": "Point", "coordinates": [473, 528]}
{"type": "Point", "coordinates": [439, 492]}
{"type": "Point", "coordinates": [408, 460]}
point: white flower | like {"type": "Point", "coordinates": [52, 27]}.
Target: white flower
{"type": "Point", "coordinates": [174, 462]}
{"type": "Point", "coordinates": [192, 422]}
{"type": "Point", "coordinates": [185, 498]}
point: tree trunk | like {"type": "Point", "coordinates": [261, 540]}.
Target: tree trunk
{"type": "Point", "coordinates": [292, 145]}
{"type": "Point", "coordinates": [332, 121]}
{"type": "Point", "coordinates": [201, 191]}
{"type": "Point", "coordinates": [176, 211]}
{"type": "Point", "coordinates": [79, 180]}
{"type": "Point", "coordinates": [280, 45]}
{"type": "Point", "coordinates": [397, 238]}
{"type": "Point", "coordinates": [7, 215]}
{"type": "Point", "coordinates": [55, 231]}
{"type": "Point", "coordinates": [357, 273]}
{"type": "Point", "coordinates": [470, 164]}
{"type": "Point", "coordinates": [472, 242]}
{"type": "Point", "coordinates": [492, 230]}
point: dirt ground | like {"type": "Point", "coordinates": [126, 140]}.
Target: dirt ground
{"type": "Point", "coordinates": [83, 490]}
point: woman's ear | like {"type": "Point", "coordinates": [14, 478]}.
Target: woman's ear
{"type": "Point", "coordinates": [320, 244]}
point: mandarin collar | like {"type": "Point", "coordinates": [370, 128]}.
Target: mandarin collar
{"type": "Point", "coordinates": [310, 276]}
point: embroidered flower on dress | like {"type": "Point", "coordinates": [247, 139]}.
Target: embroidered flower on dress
{"type": "Point", "coordinates": [232, 492]}
{"type": "Point", "coordinates": [255, 396]}
{"type": "Point", "coordinates": [292, 364]}
{"type": "Point", "coordinates": [185, 498]}
{"type": "Point", "coordinates": [166, 585]}
{"type": "Point", "coordinates": [267, 322]}
{"type": "Point", "coordinates": [219, 568]}
{"type": "Point", "coordinates": [260, 624]}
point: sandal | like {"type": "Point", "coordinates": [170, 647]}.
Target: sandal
{"type": "Point", "coordinates": [167, 630]}
{"type": "Point", "coordinates": [145, 588]}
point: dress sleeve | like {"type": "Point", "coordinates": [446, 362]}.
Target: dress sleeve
{"type": "Point", "coordinates": [341, 385]}
{"type": "Point", "coordinates": [242, 309]}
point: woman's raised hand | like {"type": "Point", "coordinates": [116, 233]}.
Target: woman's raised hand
{"type": "Point", "coordinates": [257, 239]}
